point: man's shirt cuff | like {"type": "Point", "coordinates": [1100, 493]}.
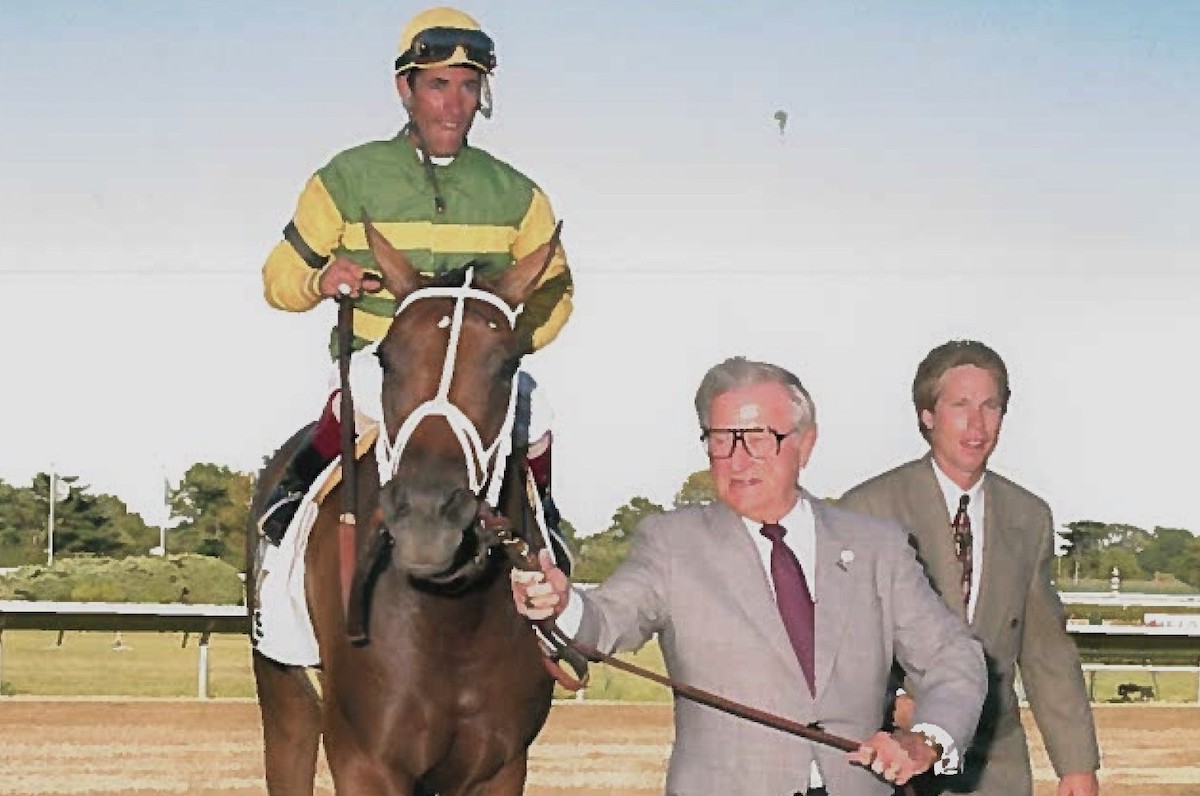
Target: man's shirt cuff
{"type": "Point", "coordinates": [572, 616]}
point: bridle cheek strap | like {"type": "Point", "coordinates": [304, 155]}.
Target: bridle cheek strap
{"type": "Point", "coordinates": [485, 466]}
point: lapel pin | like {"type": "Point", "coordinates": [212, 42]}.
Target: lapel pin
{"type": "Point", "coordinates": [845, 559]}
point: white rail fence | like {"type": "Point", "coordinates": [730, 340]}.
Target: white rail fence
{"type": "Point", "coordinates": [203, 620]}
{"type": "Point", "coordinates": [1133, 645]}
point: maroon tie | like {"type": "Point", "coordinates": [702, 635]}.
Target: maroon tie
{"type": "Point", "coordinates": [793, 598]}
{"type": "Point", "coordinates": [962, 545]}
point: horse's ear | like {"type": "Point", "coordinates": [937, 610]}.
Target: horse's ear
{"type": "Point", "coordinates": [399, 277]}
{"type": "Point", "coordinates": [518, 283]}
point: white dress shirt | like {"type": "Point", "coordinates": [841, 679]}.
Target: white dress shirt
{"type": "Point", "coordinates": [951, 492]}
{"type": "Point", "coordinates": [801, 538]}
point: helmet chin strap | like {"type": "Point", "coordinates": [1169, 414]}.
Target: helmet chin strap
{"type": "Point", "coordinates": [439, 203]}
{"type": "Point", "coordinates": [486, 103]}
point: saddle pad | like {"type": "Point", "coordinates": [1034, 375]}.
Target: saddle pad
{"type": "Point", "coordinates": [282, 628]}
{"type": "Point", "coordinates": [361, 447]}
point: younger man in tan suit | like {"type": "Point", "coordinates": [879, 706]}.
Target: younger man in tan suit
{"type": "Point", "coordinates": [986, 544]}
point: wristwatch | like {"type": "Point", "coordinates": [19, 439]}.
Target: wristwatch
{"type": "Point", "coordinates": [932, 743]}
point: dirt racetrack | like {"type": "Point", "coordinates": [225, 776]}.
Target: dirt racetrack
{"type": "Point", "coordinates": [118, 748]}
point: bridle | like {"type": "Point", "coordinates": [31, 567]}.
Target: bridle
{"type": "Point", "coordinates": [485, 465]}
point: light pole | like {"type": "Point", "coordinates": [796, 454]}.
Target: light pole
{"type": "Point", "coordinates": [162, 529]}
{"type": "Point", "coordinates": [161, 550]}
{"type": "Point", "coordinates": [57, 493]}
{"type": "Point", "coordinates": [50, 522]}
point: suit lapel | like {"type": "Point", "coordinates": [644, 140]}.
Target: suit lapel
{"type": "Point", "coordinates": [833, 579]}
{"type": "Point", "coordinates": [931, 527]}
{"type": "Point", "coordinates": [756, 599]}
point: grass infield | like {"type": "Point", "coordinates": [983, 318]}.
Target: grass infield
{"type": "Point", "coordinates": [162, 665]}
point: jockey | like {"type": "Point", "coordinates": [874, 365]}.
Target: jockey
{"type": "Point", "coordinates": [441, 201]}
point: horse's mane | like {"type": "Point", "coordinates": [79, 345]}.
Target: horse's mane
{"type": "Point", "coordinates": [455, 277]}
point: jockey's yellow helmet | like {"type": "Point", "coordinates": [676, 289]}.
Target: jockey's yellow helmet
{"type": "Point", "coordinates": [444, 37]}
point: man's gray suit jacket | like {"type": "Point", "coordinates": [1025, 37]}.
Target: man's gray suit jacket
{"type": "Point", "coordinates": [694, 577]}
{"type": "Point", "coordinates": [1018, 618]}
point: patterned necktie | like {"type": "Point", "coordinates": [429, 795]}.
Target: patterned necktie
{"type": "Point", "coordinates": [962, 545]}
{"type": "Point", "coordinates": [794, 600]}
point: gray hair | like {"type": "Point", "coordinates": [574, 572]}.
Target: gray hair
{"type": "Point", "coordinates": [736, 373]}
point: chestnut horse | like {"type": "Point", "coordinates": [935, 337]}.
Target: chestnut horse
{"type": "Point", "coordinates": [450, 690]}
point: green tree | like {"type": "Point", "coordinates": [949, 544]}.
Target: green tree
{"type": "Point", "coordinates": [600, 553]}
{"type": "Point", "coordinates": [22, 526]}
{"type": "Point", "coordinates": [1188, 569]}
{"type": "Point", "coordinates": [212, 504]}
{"type": "Point", "coordinates": [697, 490]}
{"type": "Point", "coordinates": [1165, 551]}
{"type": "Point", "coordinates": [1083, 538]}
{"type": "Point", "coordinates": [1126, 537]}
{"type": "Point", "coordinates": [84, 523]}
{"type": "Point", "coordinates": [1124, 560]}
{"type": "Point", "coordinates": [569, 535]}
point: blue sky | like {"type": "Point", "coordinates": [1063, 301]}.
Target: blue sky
{"type": "Point", "coordinates": [1022, 173]}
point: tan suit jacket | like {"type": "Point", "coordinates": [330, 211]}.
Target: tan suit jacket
{"type": "Point", "coordinates": [694, 577]}
{"type": "Point", "coordinates": [1018, 618]}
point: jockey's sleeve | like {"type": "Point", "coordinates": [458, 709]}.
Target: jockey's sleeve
{"type": "Point", "coordinates": [293, 268]}
{"type": "Point", "coordinates": [551, 303]}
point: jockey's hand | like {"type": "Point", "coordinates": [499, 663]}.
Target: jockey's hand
{"type": "Point", "coordinates": [344, 271]}
{"type": "Point", "coordinates": [896, 757]}
{"type": "Point", "coordinates": [541, 595]}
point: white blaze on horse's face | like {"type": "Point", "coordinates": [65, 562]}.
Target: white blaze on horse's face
{"type": "Point", "coordinates": [484, 463]}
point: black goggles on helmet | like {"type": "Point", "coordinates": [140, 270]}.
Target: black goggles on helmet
{"type": "Point", "coordinates": [434, 45]}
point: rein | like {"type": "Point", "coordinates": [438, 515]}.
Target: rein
{"type": "Point", "coordinates": [811, 732]}
{"type": "Point", "coordinates": [347, 520]}
{"type": "Point", "coordinates": [571, 650]}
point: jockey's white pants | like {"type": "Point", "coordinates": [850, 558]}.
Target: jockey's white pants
{"type": "Point", "coordinates": [531, 425]}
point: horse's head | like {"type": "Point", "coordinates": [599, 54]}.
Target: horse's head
{"type": "Point", "coordinates": [449, 372]}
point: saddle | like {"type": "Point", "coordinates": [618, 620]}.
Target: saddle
{"type": "Point", "coordinates": [368, 556]}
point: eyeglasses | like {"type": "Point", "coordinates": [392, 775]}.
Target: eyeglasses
{"type": "Point", "coordinates": [434, 45]}
{"type": "Point", "coordinates": [759, 443]}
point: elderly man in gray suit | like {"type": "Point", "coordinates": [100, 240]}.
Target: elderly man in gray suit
{"type": "Point", "coordinates": [986, 544]}
{"type": "Point", "coordinates": [778, 600]}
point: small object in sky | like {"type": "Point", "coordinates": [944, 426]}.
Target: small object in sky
{"type": "Point", "coordinates": [781, 117]}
